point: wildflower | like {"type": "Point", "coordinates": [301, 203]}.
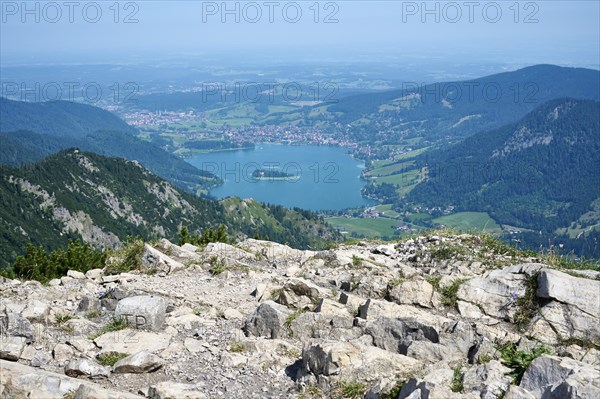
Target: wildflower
{"type": "Point", "coordinates": [105, 293]}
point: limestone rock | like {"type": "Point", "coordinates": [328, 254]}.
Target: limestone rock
{"type": "Point", "coordinates": [132, 341]}
{"type": "Point", "coordinates": [434, 385]}
{"type": "Point", "coordinates": [555, 377]}
{"type": "Point", "coordinates": [62, 353]}
{"type": "Point", "coordinates": [233, 360]}
{"type": "Point", "coordinates": [354, 360]}
{"type": "Point", "coordinates": [12, 347]}
{"type": "Point", "coordinates": [297, 295]}
{"type": "Point", "coordinates": [175, 390]}
{"type": "Point", "coordinates": [395, 335]}
{"type": "Point", "coordinates": [153, 259]}
{"type": "Point", "coordinates": [36, 311]}
{"type": "Point", "coordinates": [568, 321]}
{"type": "Point", "coordinates": [94, 274]}
{"type": "Point", "coordinates": [232, 314]}
{"type": "Point", "coordinates": [194, 345]}
{"type": "Point", "coordinates": [82, 344]}
{"type": "Point", "coordinates": [581, 293]}
{"type": "Point", "coordinates": [387, 250]}
{"type": "Point", "coordinates": [496, 293]}
{"type": "Point", "coordinates": [141, 362]}
{"type": "Point", "coordinates": [76, 275]}
{"type": "Point", "coordinates": [21, 381]}
{"type": "Point", "coordinates": [13, 324]}
{"type": "Point", "coordinates": [516, 392]}
{"type": "Point", "coordinates": [267, 320]}
{"type": "Point", "coordinates": [87, 368]}
{"type": "Point", "coordinates": [413, 292]}
{"type": "Point", "coordinates": [489, 379]}
{"type": "Point", "coordinates": [143, 311]}
{"type": "Point", "coordinates": [88, 303]}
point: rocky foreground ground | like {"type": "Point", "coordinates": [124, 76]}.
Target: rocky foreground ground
{"type": "Point", "coordinates": [437, 316]}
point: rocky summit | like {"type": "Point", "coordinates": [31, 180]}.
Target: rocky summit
{"type": "Point", "coordinates": [434, 316]}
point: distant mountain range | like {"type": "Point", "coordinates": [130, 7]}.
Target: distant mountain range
{"type": "Point", "coordinates": [541, 173]}
{"type": "Point", "coordinates": [31, 131]}
{"type": "Point", "coordinates": [459, 109]}
{"type": "Point", "coordinates": [102, 201]}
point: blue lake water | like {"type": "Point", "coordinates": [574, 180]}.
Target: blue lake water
{"type": "Point", "coordinates": [326, 178]}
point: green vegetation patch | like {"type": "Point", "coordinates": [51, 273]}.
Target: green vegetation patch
{"type": "Point", "coordinates": [371, 228]}
{"type": "Point", "coordinates": [109, 359]}
{"type": "Point", "coordinates": [469, 221]}
{"type": "Point", "coordinates": [518, 360]}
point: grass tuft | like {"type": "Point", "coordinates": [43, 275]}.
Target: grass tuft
{"type": "Point", "coordinates": [457, 380]}
{"type": "Point", "coordinates": [115, 324]}
{"type": "Point", "coordinates": [349, 389]}
{"type": "Point", "coordinates": [450, 293]}
{"type": "Point", "coordinates": [518, 360]}
{"type": "Point", "coordinates": [109, 359]}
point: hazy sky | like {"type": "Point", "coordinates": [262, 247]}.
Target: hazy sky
{"type": "Point", "coordinates": [561, 32]}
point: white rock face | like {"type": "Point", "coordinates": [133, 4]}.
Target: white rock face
{"type": "Point", "coordinates": [143, 311]}
{"type": "Point", "coordinates": [354, 359]}
{"type": "Point", "coordinates": [76, 275]}
{"type": "Point", "coordinates": [11, 347]}
{"type": "Point", "coordinates": [315, 318]}
{"type": "Point", "coordinates": [581, 293]}
{"type": "Point", "coordinates": [36, 311]}
{"type": "Point", "coordinates": [141, 362]}
{"type": "Point", "coordinates": [175, 390]}
{"type": "Point", "coordinates": [21, 381]}
{"type": "Point", "coordinates": [132, 341]}
{"type": "Point", "coordinates": [413, 292]}
{"type": "Point", "coordinates": [555, 377]}
{"type": "Point", "coordinates": [153, 259]}
{"type": "Point", "coordinates": [496, 292]}
{"type": "Point", "coordinates": [94, 274]}
{"type": "Point", "coordinates": [86, 367]}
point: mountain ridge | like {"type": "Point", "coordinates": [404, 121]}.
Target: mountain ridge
{"type": "Point", "coordinates": [79, 195]}
{"type": "Point", "coordinates": [539, 173]}
{"type": "Point", "coordinates": [31, 131]}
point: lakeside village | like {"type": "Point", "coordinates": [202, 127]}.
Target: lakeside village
{"type": "Point", "coordinates": [195, 126]}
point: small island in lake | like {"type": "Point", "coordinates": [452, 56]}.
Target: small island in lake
{"type": "Point", "coordinates": [271, 174]}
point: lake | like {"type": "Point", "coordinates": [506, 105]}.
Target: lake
{"type": "Point", "coordinates": [324, 178]}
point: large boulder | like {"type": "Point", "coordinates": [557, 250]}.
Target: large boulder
{"type": "Point", "coordinates": [268, 320]}
{"type": "Point", "coordinates": [354, 360]}
{"type": "Point", "coordinates": [395, 335]}
{"type": "Point", "coordinates": [434, 385]}
{"type": "Point", "coordinates": [413, 292]}
{"type": "Point", "coordinates": [11, 347]}
{"type": "Point", "coordinates": [564, 321]}
{"type": "Point", "coordinates": [141, 362]}
{"type": "Point", "coordinates": [175, 390]}
{"type": "Point", "coordinates": [132, 341]}
{"type": "Point", "coordinates": [574, 311]}
{"type": "Point", "coordinates": [87, 368]}
{"type": "Point", "coordinates": [280, 254]}
{"type": "Point", "coordinates": [20, 381]}
{"type": "Point", "coordinates": [153, 259]}
{"type": "Point", "coordinates": [556, 377]}
{"type": "Point", "coordinates": [143, 311]}
{"type": "Point", "coordinates": [496, 292]}
{"type": "Point", "coordinates": [15, 325]}
{"type": "Point", "coordinates": [36, 311]}
{"type": "Point", "coordinates": [489, 379]}
{"type": "Point", "coordinates": [581, 293]}
{"type": "Point", "coordinates": [297, 295]}
{"type": "Point", "coordinates": [187, 252]}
